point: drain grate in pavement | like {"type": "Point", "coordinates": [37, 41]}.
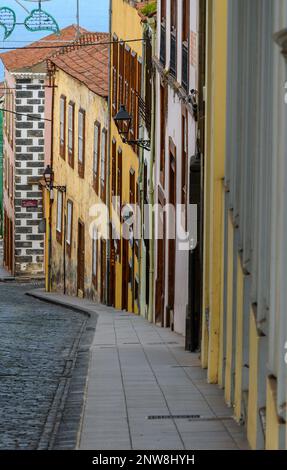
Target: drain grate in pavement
{"type": "Point", "coordinates": [164, 342]}
{"type": "Point", "coordinates": [190, 417]}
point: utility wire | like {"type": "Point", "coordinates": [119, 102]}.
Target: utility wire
{"type": "Point", "coordinates": [21, 5]}
{"type": "Point", "coordinates": [33, 117]}
{"type": "Point", "coordinates": [122, 41]}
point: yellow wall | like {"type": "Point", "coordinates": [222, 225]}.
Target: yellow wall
{"type": "Point", "coordinates": [126, 24]}
{"type": "Point", "coordinates": [272, 422]}
{"type": "Point", "coordinates": [79, 191]}
{"type": "Point", "coordinates": [214, 174]}
{"type": "Point", "coordinates": [253, 383]}
{"type": "Point", "coordinates": [239, 342]}
{"type": "Point", "coordinates": [229, 315]}
{"type": "Point", "coordinates": [222, 332]}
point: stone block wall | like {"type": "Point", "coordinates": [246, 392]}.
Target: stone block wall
{"type": "Point", "coordinates": [29, 165]}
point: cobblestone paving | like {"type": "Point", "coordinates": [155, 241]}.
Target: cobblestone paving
{"type": "Point", "coordinates": [38, 344]}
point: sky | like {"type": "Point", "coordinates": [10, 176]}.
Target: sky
{"type": "Point", "coordinates": [93, 16]}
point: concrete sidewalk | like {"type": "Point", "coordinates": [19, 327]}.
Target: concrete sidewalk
{"type": "Point", "coordinates": [145, 392]}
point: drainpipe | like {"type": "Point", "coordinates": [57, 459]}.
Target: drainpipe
{"type": "Point", "coordinates": [52, 83]}
{"type": "Point", "coordinates": [152, 23]}
{"type": "Point", "coordinates": [109, 241]}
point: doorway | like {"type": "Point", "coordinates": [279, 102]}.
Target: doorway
{"type": "Point", "coordinates": [160, 281]}
{"type": "Point", "coordinates": [125, 275]}
{"type": "Point", "coordinates": [171, 240]}
{"type": "Point", "coordinates": [81, 259]}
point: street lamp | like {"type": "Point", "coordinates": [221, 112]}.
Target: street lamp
{"type": "Point", "coordinates": [49, 180]}
{"type": "Point", "coordinates": [48, 176]}
{"type": "Point", "coordinates": [123, 122]}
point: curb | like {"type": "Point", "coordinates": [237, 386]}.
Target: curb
{"type": "Point", "coordinates": [41, 295]}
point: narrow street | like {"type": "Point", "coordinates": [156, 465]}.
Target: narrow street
{"type": "Point", "coordinates": [38, 343]}
{"type": "Point", "coordinates": [143, 263]}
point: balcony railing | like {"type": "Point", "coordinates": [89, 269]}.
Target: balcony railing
{"type": "Point", "coordinates": [173, 54]}
{"type": "Point", "coordinates": [185, 71]}
{"type": "Point", "coordinates": [163, 44]}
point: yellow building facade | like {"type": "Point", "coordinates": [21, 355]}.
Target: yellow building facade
{"type": "Point", "coordinates": [126, 77]}
{"type": "Point", "coordinates": [76, 237]}
{"type": "Point", "coordinates": [241, 332]}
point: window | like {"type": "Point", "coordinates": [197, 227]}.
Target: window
{"type": "Point", "coordinates": [103, 164]}
{"type": "Point", "coordinates": [81, 143]}
{"type": "Point", "coordinates": [59, 215]}
{"type": "Point", "coordinates": [185, 45]}
{"type": "Point", "coordinates": [119, 180]}
{"type": "Point", "coordinates": [127, 59]}
{"type": "Point", "coordinates": [184, 154]}
{"type": "Point", "coordinates": [162, 133]}
{"type": "Point", "coordinates": [133, 99]}
{"type": "Point", "coordinates": [173, 38]}
{"type": "Point", "coordinates": [115, 75]}
{"type": "Point", "coordinates": [71, 132]}
{"type": "Point", "coordinates": [163, 10]}
{"type": "Point", "coordinates": [173, 11]}
{"type": "Point", "coordinates": [114, 170]}
{"type": "Point", "coordinates": [139, 90]}
{"type": "Point", "coordinates": [62, 126]}
{"type": "Point", "coordinates": [184, 160]}
{"type": "Point", "coordinates": [163, 33]}
{"type": "Point", "coordinates": [185, 20]}
{"type": "Point", "coordinates": [132, 186]}
{"type": "Point", "coordinates": [95, 256]}
{"type": "Point", "coordinates": [69, 225]}
{"type": "Point", "coordinates": [121, 72]}
{"type": "Point", "coordinates": [96, 162]}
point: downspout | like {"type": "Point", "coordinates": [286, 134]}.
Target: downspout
{"type": "Point", "coordinates": [152, 24]}
{"type": "Point", "coordinates": [109, 241]}
{"type": "Point", "coordinates": [52, 83]}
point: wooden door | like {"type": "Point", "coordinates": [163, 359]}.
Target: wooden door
{"type": "Point", "coordinates": [103, 271]}
{"type": "Point", "coordinates": [112, 281]}
{"type": "Point", "coordinates": [125, 275]}
{"type": "Point", "coordinates": [81, 258]}
{"type": "Point", "coordinates": [171, 241]}
{"type": "Point", "coordinates": [160, 282]}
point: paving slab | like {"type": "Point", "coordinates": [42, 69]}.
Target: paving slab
{"type": "Point", "coordinates": [144, 391]}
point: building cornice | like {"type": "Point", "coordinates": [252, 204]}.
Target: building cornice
{"type": "Point", "coordinates": [173, 83]}
{"type": "Point", "coordinates": [39, 75]}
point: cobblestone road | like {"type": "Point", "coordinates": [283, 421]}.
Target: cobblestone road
{"type": "Point", "coordinates": [38, 344]}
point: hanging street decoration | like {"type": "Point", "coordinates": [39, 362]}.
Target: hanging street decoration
{"type": "Point", "coordinates": [37, 20]}
{"type": "Point", "coordinates": [40, 20]}
{"type": "Point", "coordinates": [7, 21]}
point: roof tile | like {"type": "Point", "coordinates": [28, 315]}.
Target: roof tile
{"type": "Point", "coordinates": [88, 64]}
{"type": "Point", "coordinates": [22, 58]}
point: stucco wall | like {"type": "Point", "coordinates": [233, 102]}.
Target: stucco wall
{"type": "Point", "coordinates": [79, 191]}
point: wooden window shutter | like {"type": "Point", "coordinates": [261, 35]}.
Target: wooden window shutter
{"type": "Point", "coordinates": [63, 126]}
{"type": "Point", "coordinates": [133, 87]}
{"type": "Point", "coordinates": [127, 80]}
{"type": "Point", "coordinates": [115, 75]}
{"type": "Point", "coordinates": [139, 91]}
{"type": "Point", "coordinates": [114, 171]}
{"type": "Point", "coordinates": [121, 72]}
{"type": "Point", "coordinates": [71, 134]}
{"type": "Point", "coordinates": [81, 142]}
{"type": "Point", "coordinates": [97, 153]}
